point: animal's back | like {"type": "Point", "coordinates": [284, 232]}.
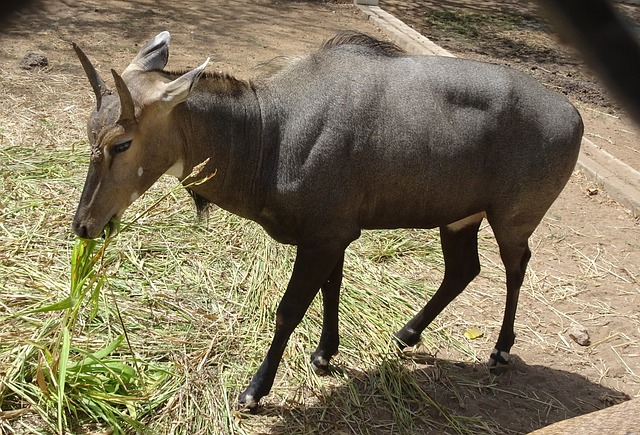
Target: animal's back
{"type": "Point", "coordinates": [418, 141]}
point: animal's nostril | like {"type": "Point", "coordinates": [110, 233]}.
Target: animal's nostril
{"type": "Point", "coordinates": [80, 230]}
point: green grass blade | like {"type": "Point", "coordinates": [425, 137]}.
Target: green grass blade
{"type": "Point", "coordinates": [64, 304]}
{"type": "Point", "coordinates": [63, 360]}
{"type": "Point", "coordinates": [99, 355]}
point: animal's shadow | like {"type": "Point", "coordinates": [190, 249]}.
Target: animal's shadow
{"type": "Point", "coordinates": [439, 396]}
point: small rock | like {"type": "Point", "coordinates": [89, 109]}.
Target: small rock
{"type": "Point", "coordinates": [580, 335]}
{"type": "Point", "coordinates": [34, 60]}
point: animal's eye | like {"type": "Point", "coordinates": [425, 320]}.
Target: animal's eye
{"type": "Point", "coordinates": [121, 147]}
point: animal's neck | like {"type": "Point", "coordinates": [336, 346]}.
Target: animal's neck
{"type": "Point", "coordinates": [221, 122]}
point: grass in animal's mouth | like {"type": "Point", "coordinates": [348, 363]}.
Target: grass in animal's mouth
{"type": "Point", "coordinates": [112, 228]}
{"type": "Point", "coordinates": [77, 380]}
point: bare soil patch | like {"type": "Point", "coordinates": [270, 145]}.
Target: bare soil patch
{"type": "Point", "coordinates": [586, 253]}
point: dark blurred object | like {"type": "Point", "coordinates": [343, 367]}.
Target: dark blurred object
{"type": "Point", "coordinates": [606, 42]}
{"type": "Point", "coordinates": [33, 61]}
{"type": "Point", "coordinates": [7, 7]}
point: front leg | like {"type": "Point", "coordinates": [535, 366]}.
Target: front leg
{"type": "Point", "coordinates": [311, 270]}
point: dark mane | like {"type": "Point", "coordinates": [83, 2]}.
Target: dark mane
{"type": "Point", "coordinates": [373, 45]}
{"type": "Point", "coordinates": [216, 81]}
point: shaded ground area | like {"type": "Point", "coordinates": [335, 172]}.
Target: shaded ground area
{"type": "Point", "coordinates": [515, 33]}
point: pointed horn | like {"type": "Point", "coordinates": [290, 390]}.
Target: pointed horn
{"type": "Point", "coordinates": [127, 109]}
{"type": "Point", "coordinates": [99, 87]}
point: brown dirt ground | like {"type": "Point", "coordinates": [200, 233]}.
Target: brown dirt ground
{"type": "Point", "coordinates": [586, 253]}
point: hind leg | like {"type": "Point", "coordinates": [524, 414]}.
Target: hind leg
{"type": "Point", "coordinates": [460, 250]}
{"type": "Point", "coordinates": [515, 255]}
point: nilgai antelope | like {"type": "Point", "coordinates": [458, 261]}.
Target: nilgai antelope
{"type": "Point", "coordinates": [358, 135]}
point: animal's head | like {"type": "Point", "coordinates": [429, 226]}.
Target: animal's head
{"type": "Point", "coordinates": [132, 136]}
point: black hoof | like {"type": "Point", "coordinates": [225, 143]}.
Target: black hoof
{"type": "Point", "coordinates": [320, 365]}
{"type": "Point", "coordinates": [247, 403]}
{"type": "Point", "coordinates": [498, 362]}
{"type": "Point", "coordinates": [406, 338]}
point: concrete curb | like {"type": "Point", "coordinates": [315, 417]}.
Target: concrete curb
{"type": "Point", "coordinates": [618, 179]}
{"type": "Point", "coordinates": [401, 34]}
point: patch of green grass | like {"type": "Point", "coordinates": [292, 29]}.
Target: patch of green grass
{"type": "Point", "coordinates": [472, 24]}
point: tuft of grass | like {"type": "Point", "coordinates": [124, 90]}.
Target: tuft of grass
{"type": "Point", "coordinates": [93, 381]}
{"type": "Point", "coordinates": [88, 385]}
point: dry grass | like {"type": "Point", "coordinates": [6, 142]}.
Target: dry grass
{"type": "Point", "coordinates": [197, 300]}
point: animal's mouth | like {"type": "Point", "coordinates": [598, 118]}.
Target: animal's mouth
{"type": "Point", "coordinates": [112, 227]}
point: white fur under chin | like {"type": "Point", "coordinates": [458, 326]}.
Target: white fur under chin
{"type": "Point", "coordinates": [176, 170]}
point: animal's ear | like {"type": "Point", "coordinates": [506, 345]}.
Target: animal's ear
{"type": "Point", "coordinates": [127, 109]}
{"type": "Point", "coordinates": [154, 55]}
{"type": "Point", "coordinates": [175, 92]}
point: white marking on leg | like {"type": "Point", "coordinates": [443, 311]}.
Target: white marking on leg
{"type": "Point", "coordinates": [500, 357]}
{"type": "Point", "coordinates": [134, 196]}
{"type": "Point", "coordinates": [469, 220]}
{"type": "Point", "coordinates": [140, 171]}
{"type": "Point", "coordinates": [176, 170]}
{"type": "Point", "coordinates": [324, 362]}
{"type": "Point", "coordinates": [249, 401]}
